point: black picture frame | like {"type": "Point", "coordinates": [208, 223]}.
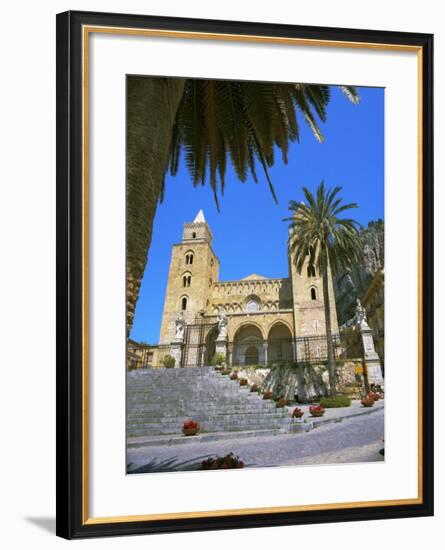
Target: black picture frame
{"type": "Point", "coordinates": [71, 521]}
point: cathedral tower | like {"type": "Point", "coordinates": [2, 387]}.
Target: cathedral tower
{"type": "Point", "coordinates": [194, 268]}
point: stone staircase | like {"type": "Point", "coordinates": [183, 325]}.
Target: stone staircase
{"type": "Point", "coordinates": [160, 400]}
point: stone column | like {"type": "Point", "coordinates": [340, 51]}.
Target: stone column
{"type": "Point", "coordinates": [176, 352]}
{"type": "Point", "coordinates": [221, 347]}
{"type": "Point", "coordinates": [230, 355]}
{"type": "Point", "coordinates": [266, 358]}
{"type": "Point", "coordinates": [203, 356]}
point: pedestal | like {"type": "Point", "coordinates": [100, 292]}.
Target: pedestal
{"type": "Point", "coordinates": [176, 352]}
{"type": "Point", "coordinates": [221, 347]}
{"type": "Point", "coordinates": [372, 360]}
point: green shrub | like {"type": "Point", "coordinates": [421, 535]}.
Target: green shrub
{"type": "Point", "coordinates": [218, 359]}
{"type": "Point", "coordinates": [334, 402]}
{"type": "Point", "coordinates": [168, 361]}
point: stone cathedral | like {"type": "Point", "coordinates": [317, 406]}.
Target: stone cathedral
{"type": "Point", "coordinates": [252, 321]}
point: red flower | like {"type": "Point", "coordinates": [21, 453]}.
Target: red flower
{"type": "Point", "coordinates": [190, 425]}
{"type": "Point", "coordinates": [316, 408]}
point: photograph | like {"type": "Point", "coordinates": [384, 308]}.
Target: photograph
{"type": "Point", "coordinates": [255, 274]}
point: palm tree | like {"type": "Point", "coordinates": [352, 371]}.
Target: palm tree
{"type": "Point", "coordinates": [210, 120]}
{"type": "Point", "coordinates": [321, 238]}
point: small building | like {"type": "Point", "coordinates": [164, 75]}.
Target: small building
{"type": "Point", "coordinates": [140, 355]}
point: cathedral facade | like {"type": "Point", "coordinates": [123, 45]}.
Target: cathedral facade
{"type": "Point", "coordinates": [252, 321]}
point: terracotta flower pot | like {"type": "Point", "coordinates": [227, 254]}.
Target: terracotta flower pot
{"type": "Point", "coordinates": [190, 431]}
{"type": "Point", "coordinates": [298, 413]}
{"type": "Point", "coordinates": [316, 411]}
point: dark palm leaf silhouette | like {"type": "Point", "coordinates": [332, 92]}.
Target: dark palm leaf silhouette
{"type": "Point", "coordinates": [211, 122]}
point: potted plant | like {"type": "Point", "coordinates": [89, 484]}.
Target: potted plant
{"type": "Point", "coordinates": [219, 361]}
{"type": "Point", "coordinates": [281, 402]}
{"type": "Point", "coordinates": [373, 395]}
{"type": "Point", "coordinates": [254, 388]}
{"type": "Point", "coordinates": [234, 375]}
{"type": "Point", "coordinates": [316, 410]}
{"type": "Point", "coordinates": [267, 395]}
{"type": "Point", "coordinates": [368, 402]}
{"type": "Point", "coordinates": [190, 427]}
{"type": "Point", "coordinates": [297, 413]}
{"type": "Point", "coordinates": [243, 381]}
{"type": "Point", "coordinates": [168, 361]}
{"type": "Point", "coordinates": [222, 462]}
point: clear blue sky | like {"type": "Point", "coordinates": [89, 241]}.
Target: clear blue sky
{"type": "Point", "coordinates": [249, 234]}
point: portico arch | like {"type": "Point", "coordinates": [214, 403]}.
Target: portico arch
{"type": "Point", "coordinates": [248, 346]}
{"type": "Point", "coordinates": [280, 348]}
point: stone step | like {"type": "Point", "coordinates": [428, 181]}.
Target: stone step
{"type": "Point", "coordinates": [178, 411]}
{"type": "Point", "coordinates": [166, 430]}
{"type": "Point", "coordinates": [206, 418]}
{"type": "Point", "coordinates": [180, 439]}
{"type": "Point", "coordinates": [208, 423]}
{"type": "Point", "coordinates": [217, 399]}
{"type": "Point", "coordinates": [160, 400]}
{"type": "Point", "coordinates": [200, 405]}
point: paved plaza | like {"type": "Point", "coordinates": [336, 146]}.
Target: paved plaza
{"type": "Point", "coordinates": [353, 439]}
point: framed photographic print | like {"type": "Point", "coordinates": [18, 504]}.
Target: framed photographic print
{"type": "Point", "coordinates": [244, 274]}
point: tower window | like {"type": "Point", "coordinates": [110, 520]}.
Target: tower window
{"type": "Point", "coordinates": [186, 281]}
{"type": "Point", "coordinates": [193, 235]}
{"type": "Point", "coordinates": [311, 271]}
{"type": "Point", "coordinates": [189, 258]}
{"type": "Point", "coordinates": [184, 303]}
{"type": "Point", "coordinates": [313, 294]}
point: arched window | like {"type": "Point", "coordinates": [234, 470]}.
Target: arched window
{"type": "Point", "coordinates": [184, 303]}
{"type": "Point", "coordinates": [210, 282]}
{"type": "Point", "coordinates": [311, 271]}
{"type": "Point", "coordinates": [193, 235]}
{"type": "Point", "coordinates": [313, 294]}
{"type": "Point", "coordinates": [252, 305]}
{"type": "Point", "coordinates": [189, 258]}
{"type": "Point", "coordinates": [186, 280]}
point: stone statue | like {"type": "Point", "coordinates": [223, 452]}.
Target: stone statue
{"type": "Point", "coordinates": [360, 315]}
{"type": "Point", "coordinates": [222, 326]}
{"type": "Point", "coordinates": [179, 328]}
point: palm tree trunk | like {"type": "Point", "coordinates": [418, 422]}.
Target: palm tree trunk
{"type": "Point", "coordinates": [152, 104]}
{"type": "Point", "coordinates": [327, 314]}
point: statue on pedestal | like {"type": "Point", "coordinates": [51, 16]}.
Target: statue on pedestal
{"type": "Point", "coordinates": [222, 327]}
{"type": "Point", "coordinates": [360, 316]}
{"type": "Point", "coordinates": [179, 328]}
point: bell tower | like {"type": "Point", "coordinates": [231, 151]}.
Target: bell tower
{"type": "Point", "coordinates": [194, 267]}
{"type": "Point", "coordinates": [308, 301]}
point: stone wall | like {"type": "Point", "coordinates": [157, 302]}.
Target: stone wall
{"type": "Point", "coordinates": [309, 382]}
{"type": "Point", "coordinates": [232, 296]}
